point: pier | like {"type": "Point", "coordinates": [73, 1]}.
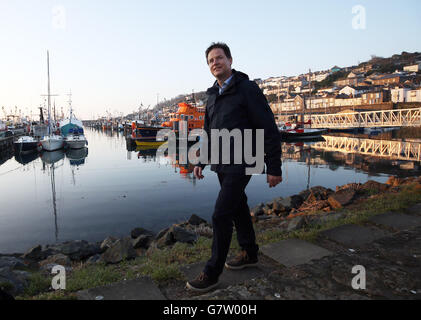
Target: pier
{"type": "Point", "coordinates": [368, 119]}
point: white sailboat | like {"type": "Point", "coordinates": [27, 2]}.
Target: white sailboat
{"type": "Point", "coordinates": [52, 141]}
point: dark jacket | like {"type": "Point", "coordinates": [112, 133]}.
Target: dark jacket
{"type": "Point", "coordinates": [242, 105]}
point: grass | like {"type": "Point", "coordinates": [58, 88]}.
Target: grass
{"type": "Point", "coordinates": [164, 265]}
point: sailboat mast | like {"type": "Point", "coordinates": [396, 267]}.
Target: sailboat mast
{"type": "Point", "coordinates": [49, 96]}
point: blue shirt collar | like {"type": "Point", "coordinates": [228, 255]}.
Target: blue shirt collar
{"type": "Point", "coordinates": [224, 85]}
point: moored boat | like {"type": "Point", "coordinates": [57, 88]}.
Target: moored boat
{"type": "Point", "coordinates": [52, 141]}
{"type": "Point", "coordinates": [72, 130]}
{"type": "Point", "coordinates": [26, 144]}
{"type": "Point", "coordinates": [294, 133]}
{"type": "Point", "coordinates": [194, 117]}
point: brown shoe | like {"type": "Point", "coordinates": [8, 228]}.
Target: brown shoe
{"type": "Point", "coordinates": [202, 283]}
{"type": "Point", "coordinates": [241, 261]}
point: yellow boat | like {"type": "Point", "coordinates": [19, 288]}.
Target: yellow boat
{"type": "Point", "coordinates": [149, 143]}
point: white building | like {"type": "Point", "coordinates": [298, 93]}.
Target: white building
{"type": "Point", "coordinates": [413, 68]}
{"type": "Point", "coordinates": [405, 95]}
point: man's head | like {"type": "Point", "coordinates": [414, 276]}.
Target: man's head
{"type": "Point", "coordinates": [219, 59]}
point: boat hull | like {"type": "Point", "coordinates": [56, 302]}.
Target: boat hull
{"type": "Point", "coordinates": [52, 144]}
{"type": "Point", "coordinates": [26, 147]}
{"type": "Point", "coordinates": [288, 136]}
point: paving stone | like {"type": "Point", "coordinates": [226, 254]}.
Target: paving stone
{"type": "Point", "coordinates": [137, 289]}
{"type": "Point", "coordinates": [397, 221]}
{"type": "Point", "coordinates": [353, 235]}
{"type": "Point", "coordinates": [228, 277]}
{"type": "Point", "coordinates": [293, 252]}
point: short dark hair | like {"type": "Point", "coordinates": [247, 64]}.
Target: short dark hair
{"type": "Point", "coordinates": [218, 45]}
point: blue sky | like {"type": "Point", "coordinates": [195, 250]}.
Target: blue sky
{"type": "Point", "coordinates": [114, 55]}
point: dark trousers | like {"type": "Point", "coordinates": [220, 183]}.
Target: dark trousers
{"type": "Point", "coordinates": [231, 207]}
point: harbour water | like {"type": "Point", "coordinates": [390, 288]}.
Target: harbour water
{"type": "Point", "coordinates": [107, 190]}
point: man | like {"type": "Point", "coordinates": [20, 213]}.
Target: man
{"type": "Point", "coordinates": [234, 102]}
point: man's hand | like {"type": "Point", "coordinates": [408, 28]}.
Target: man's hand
{"type": "Point", "coordinates": [273, 180]}
{"type": "Point", "coordinates": [198, 173]}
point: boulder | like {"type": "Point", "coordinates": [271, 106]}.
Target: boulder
{"type": "Point", "coordinates": [14, 281]}
{"type": "Point", "coordinates": [375, 186]}
{"type": "Point", "coordinates": [196, 220]}
{"type": "Point", "coordinates": [76, 250]}
{"type": "Point", "coordinates": [34, 253]}
{"type": "Point", "coordinates": [183, 235]}
{"type": "Point", "coordinates": [341, 198]}
{"type": "Point", "coordinates": [122, 249]}
{"type": "Point", "coordinates": [142, 241]}
{"type": "Point", "coordinates": [94, 259]}
{"type": "Point", "coordinates": [59, 259]}
{"type": "Point", "coordinates": [257, 210]}
{"type": "Point", "coordinates": [107, 243]}
{"type": "Point", "coordinates": [162, 233]}
{"type": "Point", "coordinates": [296, 223]}
{"type": "Point", "coordinates": [318, 193]}
{"type": "Point", "coordinates": [176, 234]}
{"type": "Point", "coordinates": [137, 232]}
{"type": "Point", "coordinates": [166, 239]}
{"type": "Point", "coordinates": [11, 262]}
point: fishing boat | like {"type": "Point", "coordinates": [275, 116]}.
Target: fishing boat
{"type": "Point", "coordinates": [144, 133]}
{"type": "Point", "coordinates": [186, 112]}
{"type": "Point", "coordinates": [298, 133]}
{"type": "Point", "coordinates": [52, 141]}
{"type": "Point", "coordinates": [72, 130]}
{"type": "Point", "coordinates": [26, 144]}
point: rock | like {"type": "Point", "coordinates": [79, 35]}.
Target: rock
{"type": "Point", "coordinates": [76, 250]}
{"type": "Point", "coordinates": [166, 239]}
{"type": "Point", "coordinates": [196, 220]}
{"type": "Point", "coordinates": [176, 234]}
{"type": "Point", "coordinates": [11, 262]}
{"type": "Point", "coordinates": [183, 235]}
{"type": "Point", "coordinates": [137, 232]}
{"type": "Point", "coordinates": [107, 243]}
{"type": "Point", "coordinates": [122, 249]}
{"type": "Point", "coordinates": [257, 210]}
{"type": "Point", "coordinates": [374, 185]}
{"type": "Point", "coordinates": [142, 241]}
{"type": "Point", "coordinates": [341, 198]}
{"type": "Point", "coordinates": [318, 193]}
{"type": "Point", "coordinates": [305, 194]}
{"type": "Point", "coordinates": [353, 186]}
{"type": "Point", "coordinates": [94, 259]}
{"type": "Point", "coordinates": [59, 259]}
{"type": "Point", "coordinates": [34, 253]}
{"type": "Point", "coordinates": [162, 233]}
{"type": "Point", "coordinates": [204, 230]}
{"type": "Point", "coordinates": [297, 223]}
{"type": "Point", "coordinates": [15, 281]}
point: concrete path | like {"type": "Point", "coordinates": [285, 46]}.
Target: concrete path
{"type": "Point", "coordinates": [293, 252]}
{"type": "Point", "coordinates": [388, 247]}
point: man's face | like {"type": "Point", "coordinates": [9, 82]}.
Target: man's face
{"type": "Point", "coordinates": [219, 64]}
